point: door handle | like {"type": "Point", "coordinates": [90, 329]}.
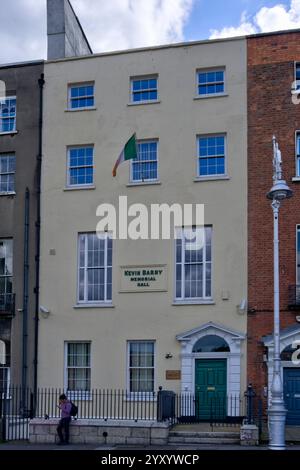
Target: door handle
{"type": "Point", "coordinates": [287, 395]}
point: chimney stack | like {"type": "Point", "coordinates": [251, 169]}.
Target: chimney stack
{"type": "Point", "coordinates": [66, 37]}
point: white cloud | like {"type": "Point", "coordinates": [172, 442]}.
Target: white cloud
{"type": "Point", "coordinates": [122, 24]}
{"type": "Point", "coordinates": [23, 30]}
{"type": "Point", "coordinates": [109, 25]}
{"type": "Point", "coordinates": [266, 19]}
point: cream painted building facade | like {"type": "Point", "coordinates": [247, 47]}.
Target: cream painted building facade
{"type": "Point", "coordinates": [187, 104]}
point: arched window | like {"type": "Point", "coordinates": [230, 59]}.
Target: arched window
{"type": "Point", "coordinates": [286, 354]}
{"type": "Point", "coordinates": [211, 343]}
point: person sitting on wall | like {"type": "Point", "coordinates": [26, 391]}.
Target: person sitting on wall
{"type": "Point", "coordinates": [64, 423]}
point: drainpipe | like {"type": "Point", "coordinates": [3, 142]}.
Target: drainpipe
{"type": "Point", "coordinates": [25, 293]}
{"type": "Point", "coordinates": [41, 83]}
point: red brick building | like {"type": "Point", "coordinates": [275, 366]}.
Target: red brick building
{"type": "Point", "coordinates": [272, 109]}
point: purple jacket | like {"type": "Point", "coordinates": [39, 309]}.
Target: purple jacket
{"type": "Point", "coordinates": [65, 409]}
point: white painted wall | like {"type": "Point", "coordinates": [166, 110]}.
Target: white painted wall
{"type": "Point", "coordinates": [175, 121]}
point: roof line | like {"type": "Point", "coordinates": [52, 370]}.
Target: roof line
{"type": "Point", "coordinates": [22, 64]}
{"type": "Point", "coordinates": [176, 45]}
{"type": "Point", "coordinates": [274, 33]}
{"type": "Point", "coordinates": [150, 48]}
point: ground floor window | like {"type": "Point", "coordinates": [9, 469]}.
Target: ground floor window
{"type": "Point", "coordinates": [4, 379]}
{"type": "Point", "coordinates": [141, 366]}
{"type": "Point", "coordinates": [78, 366]}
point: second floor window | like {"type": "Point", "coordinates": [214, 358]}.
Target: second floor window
{"type": "Point", "coordinates": [81, 96]}
{"type": "Point", "coordinates": [144, 167]}
{"type": "Point", "coordinates": [95, 268]}
{"type": "Point", "coordinates": [193, 263]}
{"type": "Point", "coordinates": [144, 89]}
{"type": "Point", "coordinates": [211, 155]}
{"type": "Point", "coordinates": [8, 113]}
{"type": "Point", "coordinates": [81, 166]}
{"type": "Point", "coordinates": [211, 82]}
{"type": "Point", "coordinates": [7, 173]}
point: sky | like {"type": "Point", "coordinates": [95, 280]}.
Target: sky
{"type": "Point", "coordinates": [122, 24]}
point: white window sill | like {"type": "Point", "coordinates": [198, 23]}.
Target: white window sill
{"type": "Point", "coordinates": [140, 396]}
{"type": "Point", "coordinates": [77, 395]}
{"type": "Point", "coordinates": [9, 133]}
{"type": "Point", "coordinates": [296, 179]}
{"type": "Point", "coordinates": [96, 305]}
{"type": "Point", "coordinates": [204, 97]}
{"type": "Point", "coordinates": [79, 188]}
{"type": "Point", "coordinates": [139, 103]}
{"type": "Point", "coordinates": [211, 178]}
{"type": "Point", "coordinates": [9, 193]}
{"type": "Point", "coordinates": [142, 183]}
{"type": "Point", "coordinates": [194, 302]}
{"type": "Point", "coordinates": [76, 110]}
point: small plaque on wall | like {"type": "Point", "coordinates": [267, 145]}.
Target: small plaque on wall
{"type": "Point", "coordinates": [173, 374]}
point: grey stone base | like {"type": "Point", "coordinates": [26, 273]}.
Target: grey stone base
{"type": "Point", "coordinates": [249, 435]}
{"type": "Point", "coordinates": [85, 431]}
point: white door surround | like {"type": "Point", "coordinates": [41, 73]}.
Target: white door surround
{"type": "Point", "coordinates": [287, 336]}
{"type": "Point", "coordinates": [188, 357]}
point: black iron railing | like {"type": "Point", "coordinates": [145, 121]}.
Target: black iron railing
{"type": "Point", "coordinates": [294, 297]}
{"type": "Point", "coordinates": [7, 304]}
{"type": "Point", "coordinates": [100, 404]}
{"type": "Point", "coordinates": [18, 406]}
{"type": "Point", "coordinates": [217, 409]}
{"type": "Point", "coordinates": [211, 408]}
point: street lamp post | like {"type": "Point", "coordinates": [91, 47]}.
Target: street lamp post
{"type": "Point", "coordinates": [276, 410]}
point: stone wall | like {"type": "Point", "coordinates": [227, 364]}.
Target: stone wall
{"type": "Point", "coordinates": [87, 431]}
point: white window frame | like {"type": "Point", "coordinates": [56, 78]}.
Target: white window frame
{"type": "Point", "coordinates": [15, 117]}
{"type": "Point", "coordinates": [11, 276]}
{"type": "Point", "coordinates": [297, 234]}
{"type": "Point", "coordinates": [145, 396]}
{"type": "Point", "coordinates": [9, 172]}
{"type": "Point", "coordinates": [106, 301]}
{"type": "Point", "coordinates": [207, 70]}
{"type": "Point", "coordinates": [78, 85]}
{"type": "Point", "coordinates": [217, 175]}
{"type": "Point", "coordinates": [148, 180]}
{"type": "Point", "coordinates": [76, 394]}
{"type": "Point", "coordinates": [297, 157]}
{"type": "Point", "coordinates": [295, 87]}
{"type": "Point", "coordinates": [144, 77]}
{"type": "Point", "coordinates": [80, 185]}
{"type": "Point", "coordinates": [6, 394]}
{"type": "Point", "coordinates": [182, 298]}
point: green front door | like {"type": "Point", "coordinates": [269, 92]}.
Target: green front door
{"type": "Point", "coordinates": [210, 389]}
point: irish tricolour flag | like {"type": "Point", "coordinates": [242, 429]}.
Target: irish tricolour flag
{"type": "Point", "coordinates": [128, 153]}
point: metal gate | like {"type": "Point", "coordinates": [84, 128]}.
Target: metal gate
{"type": "Point", "coordinates": [16, 409]}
